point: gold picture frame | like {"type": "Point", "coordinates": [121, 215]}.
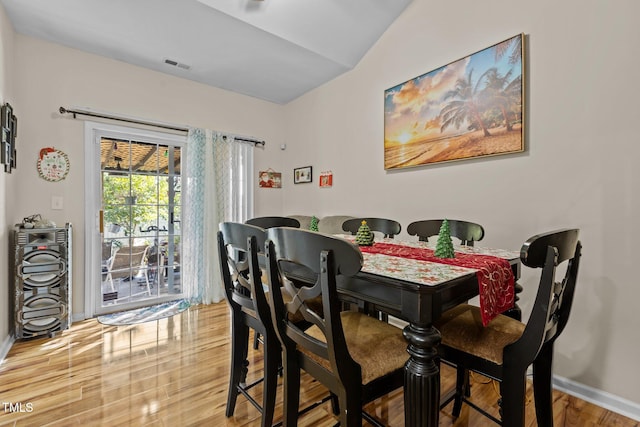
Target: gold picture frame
{"type": "Point", "coordinates": [469, 108]}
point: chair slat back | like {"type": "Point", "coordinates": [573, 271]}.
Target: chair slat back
{"type": "Point", "coordinates": [273, 221]}
{"type": "Point", "coordinates": [239, 247]}
{"type": "Point", "coordinates": [388, 227]}
{"type": "Point", "coordinates": [534, 251]}
{"type": "Point", "coordinates": [128, 261]}
{"type": "Point", "coordinates": [554, 298]}
{"type": "Point", "coordinates": [467, 232]}
{"type": "Point", "coordinates": [305, 264]}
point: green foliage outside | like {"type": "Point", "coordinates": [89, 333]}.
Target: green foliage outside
{"type": "Point", "coordinates": [150, 206]}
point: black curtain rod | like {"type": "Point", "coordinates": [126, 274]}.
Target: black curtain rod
{"type": "Point", "coordinates": [146, 123]}
{"type": "Point", "coordinates": [254, 141]}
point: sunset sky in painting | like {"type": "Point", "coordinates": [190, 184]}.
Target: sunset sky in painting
{"type": "Point", "coordinates": [411, 109]}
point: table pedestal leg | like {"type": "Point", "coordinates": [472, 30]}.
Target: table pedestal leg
{"type": "Point", "coordinates": [421, 377]}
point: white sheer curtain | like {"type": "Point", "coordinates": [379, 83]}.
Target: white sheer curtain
{"type": "Point", "coordinates": [217, 186]}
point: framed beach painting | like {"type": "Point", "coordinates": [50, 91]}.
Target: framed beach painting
{"type": "Point", "coordinates": [469, 108]}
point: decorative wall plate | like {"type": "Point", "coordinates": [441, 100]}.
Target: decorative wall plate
{"type": "Point", "coordinates": [53, 165]}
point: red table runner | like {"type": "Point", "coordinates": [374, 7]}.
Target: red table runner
{"type": "Point", "coordinates": [495, 276]}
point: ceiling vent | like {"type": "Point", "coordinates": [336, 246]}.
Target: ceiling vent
{"type": "Point", "coordinates": [177, 64]}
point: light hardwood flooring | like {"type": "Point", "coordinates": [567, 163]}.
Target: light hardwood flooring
{"type": "Point", "coordinates": [174, 372]}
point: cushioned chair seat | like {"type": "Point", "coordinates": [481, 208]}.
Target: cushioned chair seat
{"type": "Point", "coordinates": [461, 328]}
{"type": "Point", "coordinates": [363, 333]}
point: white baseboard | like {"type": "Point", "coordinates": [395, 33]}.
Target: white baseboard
{"type": "Point", "coordinates": [6, 346]}
{"type": "Point", "coordinates": [598, 397]}
{"type": "Point", "coordinates": [76, 317]}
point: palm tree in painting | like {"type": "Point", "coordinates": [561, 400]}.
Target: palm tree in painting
{"type": "Point", "coordinates": [514, 45]}
{"type": "Point", "coordinates": [502, 92]}
{"type": "Point", "coordinates": [464, 105]}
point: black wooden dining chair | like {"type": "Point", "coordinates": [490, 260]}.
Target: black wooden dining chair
{"type": "Point", "coordinates": [467, 232]}
{"type": "Point", "coordinates": [388, 227]}
{"type": "Point", "coordinates": [270, 222]}
{"type": "Point", "coordinates": [357, 357]}
{"type": "Point", "coordinates": [239, 246]}
{"type": "Point", "coordinates": [504, 349]}
{"type": "Point", "coordinates": [273, 221]}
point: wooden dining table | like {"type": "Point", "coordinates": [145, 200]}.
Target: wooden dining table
{"type": "Point", "coordinates": [418, 292]}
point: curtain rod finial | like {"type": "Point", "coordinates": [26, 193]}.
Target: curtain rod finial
{"type": "Point", "coordinates": [62, 110]}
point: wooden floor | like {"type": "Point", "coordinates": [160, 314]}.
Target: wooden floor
{"type": "Point", "coordinates": [174, 372]}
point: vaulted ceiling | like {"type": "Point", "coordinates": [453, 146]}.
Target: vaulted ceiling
{"type": "Point", "coordinates": [275, 50]}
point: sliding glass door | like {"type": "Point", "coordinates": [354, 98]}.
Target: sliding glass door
{"type": "Point", "coordinates": [139, 202]}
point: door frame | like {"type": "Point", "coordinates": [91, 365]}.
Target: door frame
{"type": "Point", "coordinates": [93, 131]}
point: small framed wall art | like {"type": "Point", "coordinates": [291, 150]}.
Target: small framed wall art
{"type": "Point", "coordinates": [302, 175]}
{"type": "Point", "coordinates": [270, 179]}
{"type": "Point", "coordinates": [326, 179]}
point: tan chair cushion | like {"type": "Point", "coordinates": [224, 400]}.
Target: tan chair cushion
{"type": "Point", "coordinates": [378, 347]}
{"type": "Point", "coordinates": [461, 328]}
{"type": "Point", "coordinates": [332, 224]}
{"type": "Point", "coordinates": [304, 220]}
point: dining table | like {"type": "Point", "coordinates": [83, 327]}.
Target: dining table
{"type": "Point", "coordinates": [407, 281]}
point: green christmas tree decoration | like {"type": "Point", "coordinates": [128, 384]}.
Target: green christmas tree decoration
{"type": "Point", "coordinates": [364, 236]}
{"type": "Point", "coordinates": [444, 247]}
{"type": "Point", "coordinates": [313, 226]}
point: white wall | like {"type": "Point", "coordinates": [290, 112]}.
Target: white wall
{"type": "Point", "coordinates": [579, 168]}
{"type": "Point", "coordinates": [49, 76]}
{"type": "Point", "coordinates": [6, 95]}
